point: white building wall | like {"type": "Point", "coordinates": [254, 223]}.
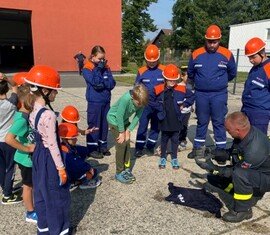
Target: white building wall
{"type": "Point", "coordinates": [241, 33]}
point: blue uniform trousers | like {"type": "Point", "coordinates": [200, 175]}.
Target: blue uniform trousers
{"type": "Point", "coordinates": [51, 201]}
{"type": "Point", "coordinates": [6, 168]}
{"type": "Point", "coordinates": [211, 105]}
{"type": "Point", "coordinates": [97, 117]}
{"type": "Point", "coordinates": [149, 114]}
{"type": "Point", "coordinates": [259, 119]}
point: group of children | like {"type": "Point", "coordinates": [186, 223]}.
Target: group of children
{"type": "Point", "coordinates": [31, 136]}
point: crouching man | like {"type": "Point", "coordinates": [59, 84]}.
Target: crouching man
{"type": "Point", "coordinates": [248, 176]}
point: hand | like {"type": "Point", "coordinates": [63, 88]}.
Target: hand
{"type": "Point", "coordinates": [121, 138]}
{"type": "Point", "coordinates": [207, 165]}
{"type": "Point", "coordinates": [91, 130]}
{"type": "Point", "coordinates": [102, 64]}
{"type": "Point", "coordinates": [31, 148]}
{"type": "Point", "coordinates": [2, 77]}
{"type": "Point", "coordinates": [90, 174]}
{"type": "Point", "coordinates": [127, 135]}
{"type": "Point", "coordinates": [62, 175]}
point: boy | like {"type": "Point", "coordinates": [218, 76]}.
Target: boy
{"type": "Point", "coordinates": [79, 171]}
{"type": "Point", "coordinates": [7, 110]}
{"type": "Point", "coordinates": [118, 116]}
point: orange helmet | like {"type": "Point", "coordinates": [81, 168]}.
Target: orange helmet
{"type": "Point", "coordinates": [18, 78]}
{"type": "Point", "coordinates": [151, 53]}
{"type": "Point", "coordinates": [44, 76]}
{"type": "Point", "coordinates": [253, 46]}
{"type": "Point", "coordinates": [171, 72]}
{"type": "Point", "coordinates": [70, 114]}
{"type": "Point", "coordinates": [68, 130]}
{"type": "Point", "coordinates": [213, 32]}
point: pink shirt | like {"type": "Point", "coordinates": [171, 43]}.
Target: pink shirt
{"type": "Point", "coordinates": [47, 130]}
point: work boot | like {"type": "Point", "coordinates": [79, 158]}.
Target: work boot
{"type": "Point", "coordinates": [96, 155]}
{"type": "Point", "coordinates": [236, 217]}
{"type": "Point", "coordinates": [150, 152]}
{"type": "Point", "coordinates": [196, 152]}
{"type": "Point", "coordinates": [138, 153]}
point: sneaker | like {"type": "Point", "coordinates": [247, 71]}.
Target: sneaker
{"type": "Point", "coordinates": [162, 163]}
{"type": "Point", "coordinates": [196, 152]}
{"type": "Point", "coordinates": [13, 199]}
{"type": "Point", "coordinates": [129, 174]}
{"type": "Point", "coordinates": [138, 153]}
{"type": "Point", "coordinates": [182, 145]}
{"type": "Point", "coordinates": [123, 178]}
{"type": "Point", "coordinates": [236, 217]}
{"type": "Point", "coordinates": [106, 153]}
{"type": "Point", "coordinates": [96, 154]}
{"type": "Point", "coordinates": [94, 183]}
{"type": "Point", "coordinates": [31, 217]}
{"type": "Point", "coordinates": [175, 164]}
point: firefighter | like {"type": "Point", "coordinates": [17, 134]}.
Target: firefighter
{"type": "Point", "coordinates": [151, 76]}
{"type": "Point", "coordinates": [256, 94]}
{"type": "Point", "coordinates": [211, 67]}
{"type": "Point", "coordinates": [248, 178]}
{"type": "Point", "coordinates": [100, 82]}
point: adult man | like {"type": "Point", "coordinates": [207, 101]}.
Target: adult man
{"type": "Point", "coordinates": [249, 176]}
{"type": "Point", "coordinates": [80, 60]}
{"type": "Point", "coordinates": [256, 94]}
{"type": "Point", "coordinates": [149, 75]}
{"type": "Point", "coordinates": [211, 67]}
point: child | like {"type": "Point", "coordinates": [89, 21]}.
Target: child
{"type": "Point", "coordinates": [118, 116]}
{"type": "Point", "coordinates": [71, 115]}
{"type": "Point", "coordinates": [100, 82]}
{"type": "Point", "coordinates": [256, 95]}
{"type": "Point", "coordinates": [79, 171]}
{"type": "Point", "coordinates": [51, 193]}
{"type": "Point", "coordinates": [17, 138]}
{"type": "Point", "coordinates": [170, 99]}
{"type": "Point", "coordinates": [186, 111]}
{"type": "Point", "coordinates": [150, 76]}
{"type": "Point", "coordinates": [7, 111]}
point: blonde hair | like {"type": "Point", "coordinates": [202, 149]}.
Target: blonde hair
{"type": "Point", "coordinates": [238, 119]}
{"type": "Point", "coordinates": [140, 94]}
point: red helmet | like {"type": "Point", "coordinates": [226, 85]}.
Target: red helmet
{"type": "Point", "coordinates": [44, 76]}
{"type": "Point", "coordinates": [171, 72]}
{"type": "Point", "coordinates": [18, 78]}
{"type": "Point", "coordinates": [70, 114]}
{"type": "Point", "coordinates": [213, 32]}
{"type": "Point", "coordinates": [151, 53]}
{"type": "Point", "coordinates": [253, 46]}
{"type": "Point", "coordinates": [68, 130]}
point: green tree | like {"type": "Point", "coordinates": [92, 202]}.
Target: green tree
{"type": "Point", "coordinates": [136, 21]}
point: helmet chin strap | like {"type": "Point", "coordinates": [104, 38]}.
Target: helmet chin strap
{"type": "Point", "coordinates": [46, 97]}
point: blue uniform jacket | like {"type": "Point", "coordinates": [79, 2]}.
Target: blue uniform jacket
{"type": "Point", "coordinates": [99, 83]}
{"type": "Point", "coordinates": [181, 95]}
{"type": "Point", "coordinates": [74, 158]}
{"type": "Point", "coordinates": [211, 71]}
{"type": "Point", "coordinates": [150, 77]}
{"type": "Point", "coordinates": [256, 94]}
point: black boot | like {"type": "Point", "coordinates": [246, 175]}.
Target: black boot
{"type": "Point", "coordinates": [196, 152]}
{"type": "Point", "coordinates": [236, 217]}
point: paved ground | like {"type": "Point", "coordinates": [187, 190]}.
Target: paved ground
{"type": "Point", "coordinates": [140, 208]}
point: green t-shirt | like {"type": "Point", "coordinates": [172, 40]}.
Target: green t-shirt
{"type": "Point", "coordinates": [122, 110]}
{"type": "Point", "coordinates": [20, 127]}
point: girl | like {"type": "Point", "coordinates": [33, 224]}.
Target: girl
{"type": "Point", "coordinates": [170, 101]}
{"type": "Point", "coordinates": [51, 193]}
{"type": "Point", "coordinates": [17, 138]}
{"type": "Point", "coordinates": [100, 82]}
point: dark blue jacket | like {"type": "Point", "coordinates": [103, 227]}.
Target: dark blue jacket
{"type": "Point", "coordinates": [74, 158]}
{"type": "Point", "coordinates": [181, 95]}
{"type": "Point", "coordinates": [256, 94]}
{"type": "Point", "coordinates": [150, 77]}
{"type": "Point", "coordinates": [99, 83]}
{"type": "Point", "coordinates": [211, 71]}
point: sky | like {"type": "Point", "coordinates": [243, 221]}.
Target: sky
{"type": "Point", "coordinates": [161, 13]}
